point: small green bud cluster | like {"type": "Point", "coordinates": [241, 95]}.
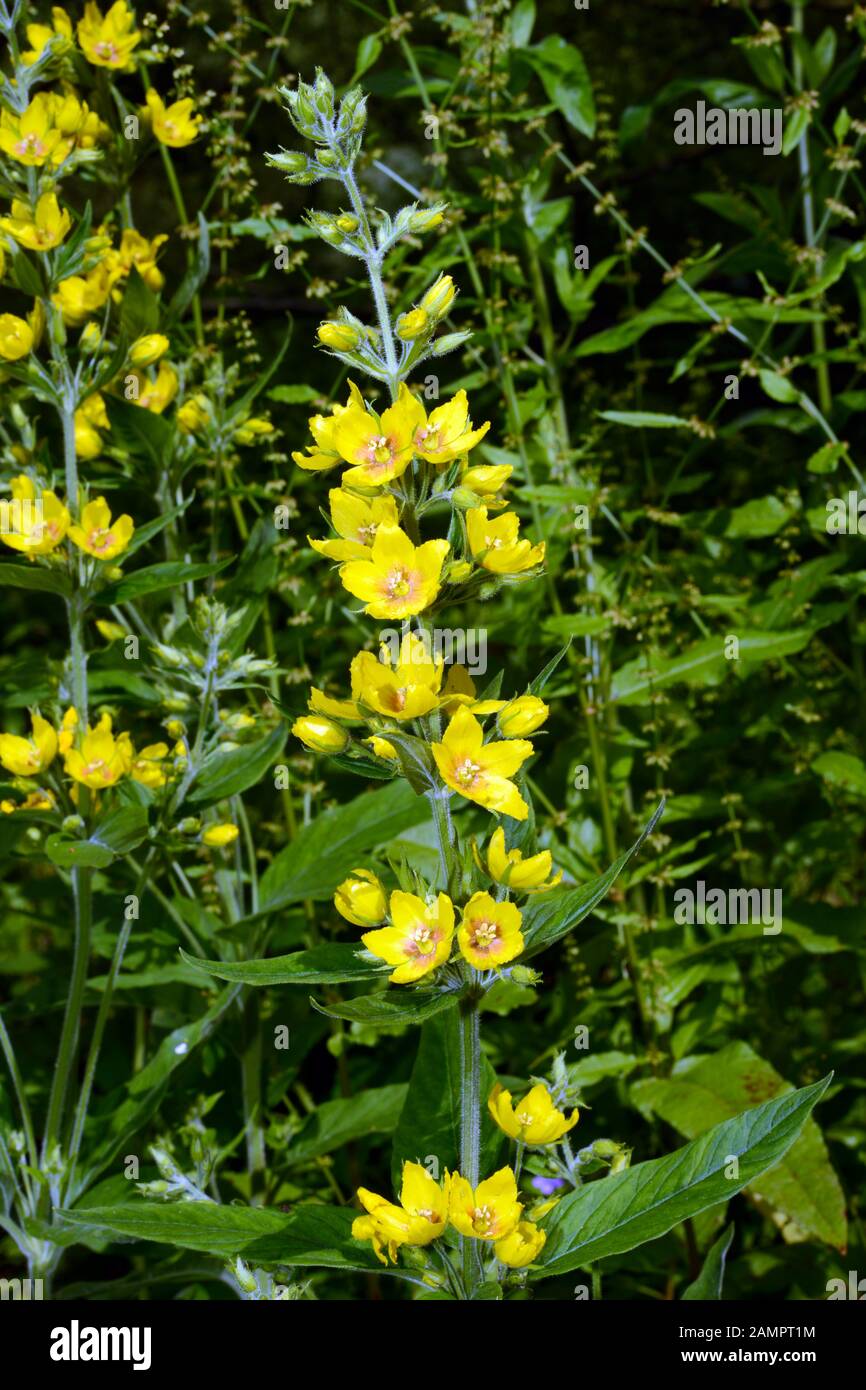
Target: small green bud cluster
{"type": "Point", "coordinates": [336, 130]}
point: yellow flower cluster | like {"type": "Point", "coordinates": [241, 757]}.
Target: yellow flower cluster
{"type": "Point", "coordinates": [491, 1212]}
{"type": "Point", "coordinates": [49, 128]}
{"type": "Point", "coordinates": [40, 523]}
{"type": "Point", "coordinates": [98, 759]}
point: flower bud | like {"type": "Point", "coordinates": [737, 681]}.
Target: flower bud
{"type": "Point", "coordinates": [522, 716]}
{"type": "Point", "coordinates": [412, 325]}
{"type": "Point", "coordinates": [148, 349]}
{"type": "Point", "coordinates": [320, 734]}
{"type": "Point", "coordinates": [439, 297]}
{"type": "Point", "coordinates": [449, 342]}
{"type": "Point", "coordinates": [289, 161]}
{"type": "Point", "coordinates": [71, 825]}
{"type": "Point", "coordinates": [329, 159]}
{"type": "Point", "coordinates": [361, 899]}
{"type": "Point", "coordinates": [91, 337]}
{"type": "Point", "coordinates": [425, 219]}
{"type": "Point", "coordinates": [347, 223]}
{"type": "Point", "coordinates": [342, 337]}
{"type": "Point", "coordinates": [324, 95]}
{"type": "Point", "coordinates": [175, 728]}
{"type": "Point", "coordinates": [218, 836]}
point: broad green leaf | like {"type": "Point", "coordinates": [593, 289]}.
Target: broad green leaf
{"type": "Point", "coordinates": [331, 964]}
{"type": "Point", "coordinates": [429, 1125]}
{"type": "Point", "coordinates": [338, 1122]}
{"type": "Point", "coordinates": [116, 834]}
{"type": "Point", "coordinates": [35, 577]}
{"type": "Point", "coordinates": [394, 1006]}
{"type": "Point", "coordinates": [565, 79]}
{"type": "Point", "coordinates": [153, 578]}
{"type": "Point", "coordinates": [779, 387]}
{"type": "Point", "coordinates": [324, 852]}
{"type": "Point", "coordinates": [139, 431]}
{"type": "Point", "coordinates": [369, 52]}
{"type": "Point", "coordinates": [674, 305]}
{"type": "Point", "coordinates": [293, 395]}
{"type": "Point", "coordinates": [754, 520]}
{"type": "Point", "coordinates": [708, 1284]}
{"type": "Point", "coordinates": [802, 1191]}
{"type": "Point", "coordinates": [68, 853]}
{"type": "Point", "coordinates": [842, 770]}
{"type": "Point", "coordinates": [613, 1214]}
{"type": "Point", "coordinates": [229, 771]}
{"type": "Point", "coordinates": [550, 915]}
{"type": "Point", "coordinates": [826, 459]}
{"type": "Point", "coordinates": [703, 663]}
{"type": "Point", "coordinates": [139, 308]}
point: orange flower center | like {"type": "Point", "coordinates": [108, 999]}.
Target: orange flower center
{"type": "Point", "coordinates": [399, 583]}
{"type": "Point", "coordinates": [466, 772]}
{"type": "Point", "coordinates": [422, 940]}
{"type": "Point", "coordinates": [100, 540]}
{"type": "Point", "coordinates": [379, 452]}
{"type": "Point", "coordinates": [484, 933]}
{"type": "Point", "coordinates": [483, 1219]}
{"type": "Point", "coordinates": [30, 144]}
{"type": "Point", "coordinates": [104, 49]}
{"type": "Point", "coordinates": [366, 534]}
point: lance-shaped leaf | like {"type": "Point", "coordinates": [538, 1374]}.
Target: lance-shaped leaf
{"type": "Point", "coordinates": [396, 1006]}
{"type": "Point", "coordinates": [617, 1213]}
{"type": "Point", "coordinates": [551, 915]}
{"type": "Point", "coordinates": [709, 1282]}
{"type": "Point", "coordinates": [332, 964]}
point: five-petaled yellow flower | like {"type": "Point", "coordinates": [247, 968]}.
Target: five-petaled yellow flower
{"type": "Point", "coordinates": [39, 36]}
{"type": "Point", "coordinates": [491, 1212]}
{"type": "Point", "coordinates": [418, 939]}
{"type": "Point", "coordinates": [512, 870]}
{"type": "Point", "coordinates": [26, 757]}
{"type": "Point", "coordinates": [481, 771]}
{"type": "Point", "coordinates": [405, 691]}
{"type": "Point", "coordinates": [39, 229]}
{"type": "Point", "coordinates": [107, 41]}
{"type": "Point", "coordinates": [33, 525]}
{"type": "Point", "coordinates": [98, 535]}
{"type": "Point", "coordinates": [489, 934]}
{"type": "Point", "coordinates": [420, 1218]}
{"type": "Point", "coordinates": [533, 1120]}
{"type": "Point", "coordinates": [147, 766]}
{"type": "Point", "coordinates": [398, 579]}
{"type": "Point", "coordinates": [324, 453]}
{"type": "Point", "coordinates": [380, 446]}
{"type": "Point", "coordinates": [101, 760]}
{"type": "Point", "coordinates": [356, 521]}
{"type": "Point", "coordinates": [175, 125]}
{"type": "Point", "coordinates": [32, 137]}
{"type": "Point", "coordinates": [447, 432]}
{"type": "Point", "coordinates": [495, 543]}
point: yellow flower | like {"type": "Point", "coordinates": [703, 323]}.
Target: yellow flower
{"type": "Point", "coordinates": [418, 939]}
{"type": "Point", "coordinates": [361, 899]}
{"type": "Point", "coordinates": [521, 716]}
{"type": "Point", "coordinates": [40, 800]}
{"type": "Point", "coordinates": [256, 427]}
{"type": "Point", "coordinates": [148, 349]}
{"type": "Point", "coordinates": [406, 691]}
{"type": "Point", "coordinates": [320, 703]}
{"type": "Point", "coordinates": [32, 137]}
{"type": "Point", "coordinates": [460, 690]}
{"type": "Point", "coordinates": [102, 759]}
{"type": "Point", "coordinates": [41, 230]}
{"type": "Point", "coordinates": [90, 414]}
{"type": "Point", "coordinates": [136, 250]}
{"type": "Point", "coordinates": [398, 579]}
{"type": "Point", "coordinates": [509, 867]}
{"type": "Point", "coordinates": [38, 524]}
{"type": "Point", "coordinates": [192, 416]}
{"type": "Point", "coordinates": [447, 432]}
{"type": "Point", "coordinates": [25, 757]}
{"type": "Point", "coordinates": [40, 35]}
{"type": "Point", "coordinates": [96, 534]}
{"type": "Point", "coordinates": [491, 1212]}
{"type": "Point", "coordinates": [174, 125]}
{"type": "Point", "coordinates": [218, 836]}
{"type": "Point", "coordinates": [495, 544]}
{"type": "Point", "coordinates": [420, 1218]}
{"type": "Point", "coordinates": [156, 395]}
{"type": "Point", "coordinates": [380, 446]}
{"type": "Point", "coordinates": [16, 337]}
{"type": "Point", "coordinates": [534, 1120]}
{"type": "Point", "coordinates": [342, 337]}
{"type": "Point", "coordinates": [381, 747]}
{"type": "Point", "coordinates": [107, 41]}
{"type": "Point", "coordinates": [320, 734]}
{"type": "Point", "coordinates": [355, 520]}
{"type": "Point", "coordinates": [112, 632]}
{"type": "Point", "coordinates": [489, 934]}
{"type": "Point", "coordinates": [147, 765]}
{"type": "Point", "coordinates": [522, 1246]}
{"type": "Point", "coordinates": [439, 298]}
{"type": "Point", "coordinates": [486, 479]}
{"type": "Point", "coordinates": [480, 771]}
{"type": "Point", "coordinates": [79, 296]}
{"type": "Point", "coordinates": [412, 325]}
{"type": "Point", "coordinates": [324, 454]}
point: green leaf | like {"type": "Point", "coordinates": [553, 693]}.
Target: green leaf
{"type": "Point", "coordinates": [139, 431]}
{"type": "Point", "coordinates": [802, 1191]}
{"type": "Point", "coordinates": [323, 965]}
{"type": "Point", "coordinates": [429, 1125]}
{"type": "Point", "coordinates": [293, 395]}
{"type": "Point", "coordinates": [550, 915]}
{"type": "Point", "coordinates": [68, 853]}
{"type": "Point", "coordinates": [35, 577]}
{"type": "Point", "coordinates": [154, 578]}
{"type": "Point", "coordinates": [644, 419]}
{"type": "Point", "coordinates": [779, 387]}
{"type": "Point", "coordinates": [395, 1006]}
{"type": "Point", "coordinates": [708, 1284]}
{"type": "Point", "coordinates": [565, 79]}
{"type": "Point", "coordinates": [323, 853]}
{"type": "Point", "coordinates": [704, 663]}
{"type": "Point", "coordinates": [338, 1122]}
{"type": "Point", "coordinates": [369, 52]}
{"type": "Point", "coordinates": [616, 1213]}
{"type": "Point", "coordinates": [842, 770]}
{"type": "Point", "coordinates": [139, 310]}
{"type": "Point", "coordinates": [826, 459]}
{"type": "Point", "coordinates": [194, 277]}
{"type": "Point", "coordinates": [228, 771]}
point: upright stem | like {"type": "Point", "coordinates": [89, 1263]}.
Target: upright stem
{"type": "Point", "coordinates": [470, 1122]}
{"type": "Point", "coordinates": [819, 341]}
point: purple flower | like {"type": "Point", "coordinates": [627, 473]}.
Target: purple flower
{"type": "Point", "coordinates": [547, 1186]}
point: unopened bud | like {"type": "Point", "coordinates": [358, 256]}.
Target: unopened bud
{"type": "Point", "coordinates": [342, 337]}
{"type": "Point", "coordinates": [412, 325]}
